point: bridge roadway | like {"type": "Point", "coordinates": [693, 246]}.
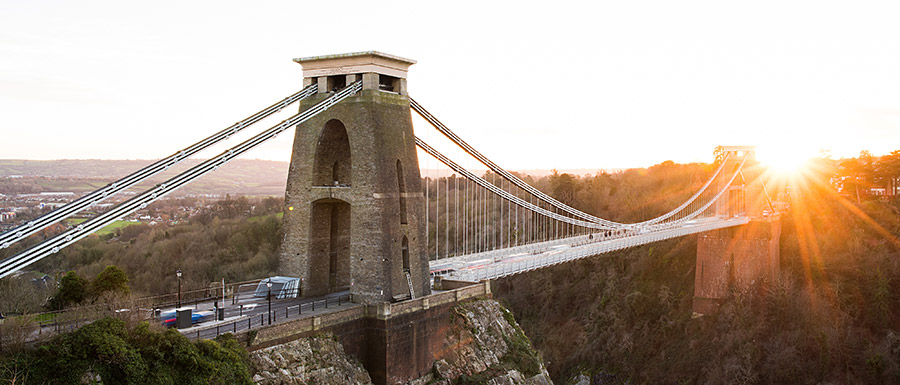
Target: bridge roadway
{"type": "Point", "coordinates": [250, 312]}
{"type": "Point", "coordinates": [518, 259]}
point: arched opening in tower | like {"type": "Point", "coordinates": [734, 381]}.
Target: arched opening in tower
{"type": "Point", "coordinates": [329, 246]}
{"type": "Point", "coordinates": [402, 191]}
{"type": "Point", "coordinates": [332, 166]}
{"type": "Point", "coordinates": [404, 249]}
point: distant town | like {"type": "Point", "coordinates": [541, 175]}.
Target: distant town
{"type": "Point", "coordinates": [31, 188]}
{"type": "Point", "coordinates": [16, 209]}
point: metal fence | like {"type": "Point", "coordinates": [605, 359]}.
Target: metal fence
{"type": "Point", "coordinates": [268, 318]}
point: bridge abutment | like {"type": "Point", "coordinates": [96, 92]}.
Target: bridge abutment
{"type": "Point", "coordinates": [395, 342]}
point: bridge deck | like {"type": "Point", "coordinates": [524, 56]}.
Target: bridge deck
{"type": "Point", "coordinates": [513, 260]}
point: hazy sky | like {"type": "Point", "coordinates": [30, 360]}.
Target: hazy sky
{"type": "Point", "coordinates": [554, 84]}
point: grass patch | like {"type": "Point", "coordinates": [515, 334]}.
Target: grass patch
{"type": "Point", "coordinates": [108, 229]}
{"type": "Point", "coordinates": [44, 317]}
{"type": "Point", "coordinates": [113, 227]}
{"type": "Point", "coordinates": [75, 221]}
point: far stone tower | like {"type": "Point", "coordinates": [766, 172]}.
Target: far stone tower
{"type": "Point", "coordinates": [354, 202]}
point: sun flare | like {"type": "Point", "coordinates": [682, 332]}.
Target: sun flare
{"type": "Point", "coordinates": [784, 160]}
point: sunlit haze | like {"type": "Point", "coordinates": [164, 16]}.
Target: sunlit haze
{"type": "Point", "coordinates": [785, 159]}
{"type": "Point", "coordinates": [532, 85]}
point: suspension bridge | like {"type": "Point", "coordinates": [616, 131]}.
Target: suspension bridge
{"type": "Point", "coordinates": [357, 218]}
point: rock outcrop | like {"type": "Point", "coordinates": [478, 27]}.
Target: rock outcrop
{"type": "Point", "coordinates": [313, 360]}
{"type": "Point", "coordinates": [486, 345]}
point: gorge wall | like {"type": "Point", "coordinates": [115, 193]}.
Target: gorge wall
{"type": "Point", "coordinates": [482, 345]}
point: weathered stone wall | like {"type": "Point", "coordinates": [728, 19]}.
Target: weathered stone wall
{"type": "Point", "coordinates": [379, 131]}
{"type": "Point", "coordinates": [396, 342]}
{"type": "Point", "coordinates": [438, 345]}
{"type": "Point", "coordinates": [734, 258]}
{"type": "Point", "coordinates": [401, 341]}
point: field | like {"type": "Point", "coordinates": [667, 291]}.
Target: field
{"type": "Point", "coordinates": [108, 229]}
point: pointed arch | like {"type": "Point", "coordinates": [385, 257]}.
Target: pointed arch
{"type": "Point", "coordinates": [333, 163]}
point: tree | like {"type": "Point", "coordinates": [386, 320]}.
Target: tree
{"type": "Point", "coordinates": [20, 295]}
{"type": "Point", "coordinates": [889, 170]}
{"type": "Point", "coordinates": [73, 289]}
{"type": "Point", "coordinates": [858, 172]}
{"type": "Point", "coordinates": [563, 187]}
{"type": "Point", "coordinates": [111, 280]}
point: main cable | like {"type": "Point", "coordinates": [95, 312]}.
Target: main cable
{"type": "Point", "coordinates": [14, 235]}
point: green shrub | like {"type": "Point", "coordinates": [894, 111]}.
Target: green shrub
{"type": "Point", "coordinates": [129, 356]}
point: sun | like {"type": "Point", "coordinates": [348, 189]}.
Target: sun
{"type": "Point", "coordinates": [784, 160]}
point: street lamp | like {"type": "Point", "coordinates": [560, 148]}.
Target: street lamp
{"type": "Point", "coordinates": [178, 274]}
{"type": "Point", "coordinates": [269, 297]}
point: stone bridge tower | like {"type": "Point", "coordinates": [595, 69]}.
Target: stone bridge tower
{"type": "Point", "coordinates": [354, 204]}
{"type": "Point", "coordinates": [737, 258]}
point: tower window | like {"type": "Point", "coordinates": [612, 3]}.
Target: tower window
{"type": "Point", "coordinates": [337, 82]}
{"type": "Point", "coordinates": [388, 83]}
{"type": "Point", "coordinates": [402, 192]}
{"type": "Point", "coordinates": [404, 251]}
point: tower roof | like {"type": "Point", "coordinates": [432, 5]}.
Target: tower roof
{"type": "Point", "coordinates": [355, 62]}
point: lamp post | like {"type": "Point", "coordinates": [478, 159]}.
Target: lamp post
{"type": "Point", "coordinates": [178, 274]}
{"type": "Point", "coordinates": [269, 297]}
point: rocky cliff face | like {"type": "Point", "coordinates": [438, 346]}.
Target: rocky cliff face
{"type": "Point", "coordinates": [313, 360]}
{"type": "Point", "coordinates": [484, 345]}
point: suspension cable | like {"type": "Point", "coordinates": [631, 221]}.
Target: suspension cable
{"type": "Point", "coordinates": [552, 215]}
{"type": "Point", "coordinates": [17, 234]}
{"type": "Point", "coordinates": [53, 245]}
{"type": "Point", "coordinates": [534, 191]}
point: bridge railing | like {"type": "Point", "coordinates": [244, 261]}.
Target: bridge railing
{"type": "Point", "coordinates": [576, 251]}
{"type": "Point", "coordinates": [248, 322]}
{"type": "Point", "coordinates": [313, 315]}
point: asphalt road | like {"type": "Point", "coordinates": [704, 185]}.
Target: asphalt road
{"type": "Point", "coordinates": [249, 312]}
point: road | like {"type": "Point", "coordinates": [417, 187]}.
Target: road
{"type": "Point", "coordinates": [249, 312]}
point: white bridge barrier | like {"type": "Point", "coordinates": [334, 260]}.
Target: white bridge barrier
{"type": "Point", "coordinates": [514, 260]}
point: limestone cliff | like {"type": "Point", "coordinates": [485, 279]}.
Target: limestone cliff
{"type": "Point", "coordinates": [313, 360]}
{"type": "Point", "coordinates": [484, 345]}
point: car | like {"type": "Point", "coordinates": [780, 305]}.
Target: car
{"type": "Point", "coordinates": [168, 318]}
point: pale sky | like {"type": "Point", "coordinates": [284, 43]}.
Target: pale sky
{"type": "Point", "coordinates": [533, 85]}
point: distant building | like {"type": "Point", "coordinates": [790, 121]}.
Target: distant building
{"type": "Point", "coordinates": [58, 194]}
{"type": "Point", "coordinates": [7, 216]}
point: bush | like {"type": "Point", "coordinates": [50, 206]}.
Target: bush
{"type": "Point", "coordinates": [120, 355]}
{"type": "Point", "coordinates": [111, 279]}
{"type": "Point", "coordinates": [73, 289]}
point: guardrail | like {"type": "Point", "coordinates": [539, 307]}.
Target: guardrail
{"type": "Point", "coordinates": [502, 268]}
{"type": "Point", "coordinates": [243, 323]}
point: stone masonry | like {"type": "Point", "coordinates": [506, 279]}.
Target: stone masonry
{"type": "Point", "coordinates": [354, 202]}
{"type": "Point", "coordinates": [736, 258]}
